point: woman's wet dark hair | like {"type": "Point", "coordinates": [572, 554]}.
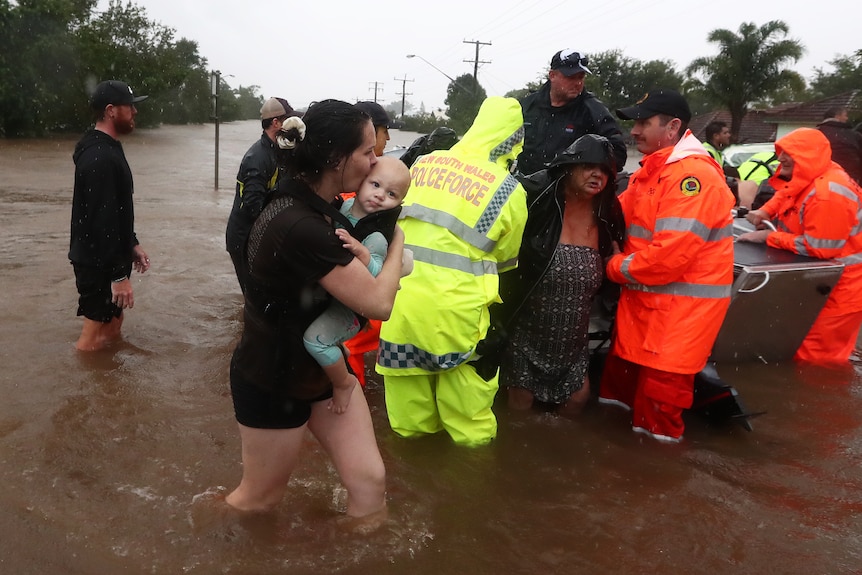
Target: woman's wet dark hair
{"type": "Point", "coordinates": [333, 131]}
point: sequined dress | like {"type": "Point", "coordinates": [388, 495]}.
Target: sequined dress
{"type": "Point", "coordinates": [548, 352]}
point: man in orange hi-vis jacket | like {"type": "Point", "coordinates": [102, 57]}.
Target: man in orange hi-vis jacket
{"type": "Point", "coordinates": [676, 269]}
{"type": "Point", "coordinates": [816, 209]}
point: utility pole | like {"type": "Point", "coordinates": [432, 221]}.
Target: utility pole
{"type": "Point", "coordinates": [378, 86]}
{"type": "Point", "coordinates": [403, 81]}
{"type": "Point", "coordinates": [477, 61]}
{"type": "Point", "coordinates": [215, 80]}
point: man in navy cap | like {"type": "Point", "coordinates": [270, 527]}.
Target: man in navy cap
{"type": "Point", "coordinates": [104, 248]}
{"type": "Point", "coordinates": [561, 112]}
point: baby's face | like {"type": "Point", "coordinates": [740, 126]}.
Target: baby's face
{"type": "Point", "coordinates": [384, 188]}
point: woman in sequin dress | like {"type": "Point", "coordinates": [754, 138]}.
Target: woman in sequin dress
{"type": "Point", "coordinates": [573, 220]}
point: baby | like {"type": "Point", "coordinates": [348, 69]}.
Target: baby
{"type": "Point", "coordinates": [380, 196]}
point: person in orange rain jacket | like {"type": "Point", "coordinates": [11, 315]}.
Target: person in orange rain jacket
{"type": "Point", "coordinates": [676, 269]}
{"type": "Point", "coordinates": [816, 209]}
{"type": "Point", "coordinates": [369, 337]}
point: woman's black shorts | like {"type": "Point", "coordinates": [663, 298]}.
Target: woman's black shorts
{"type": "Point", "coordinates": [262, 409]}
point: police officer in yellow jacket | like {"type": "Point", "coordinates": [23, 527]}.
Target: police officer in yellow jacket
{"type": "Point", "coordinates": [463, 220]}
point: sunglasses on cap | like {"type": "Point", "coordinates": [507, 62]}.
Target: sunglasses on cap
{"type": "Point", "coordinates": [573, 59]}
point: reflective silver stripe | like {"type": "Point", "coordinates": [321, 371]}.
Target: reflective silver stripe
{"type": "Point", "coordinates": [624, 268]}
{"type": "Point", "coordinates": [851, 260]}
{"type": "Point", "coordinates": [446, 220]}
{"type": "Point", "coordinates": [799, 244]}
{"type": "Point", "coordinates": [843, 191]}
{"type": "Point", "coordinates": [405, 356]}
{"type": "Point", "coordinates": [718, 234]}
{"type": "Point", "coordinates": [694, 226]}
{"type": "Point", "coordinates": [704, 291]}
{"type": "Point", "coordinates": [819, 243]}
{"type": "Point", "coordinates": [802, 207]}
{"type": "Point", "coordinates": [636, 231]}
{"type": "Point", "coordinates": [824, 244]}
{"type": "Point", "coordinates": [452, 261]}
{"type": "Point", "coordinates": [506, 146]}
{"type": "Point", "coordinates": [507, 264]}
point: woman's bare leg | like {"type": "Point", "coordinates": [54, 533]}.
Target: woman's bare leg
{"type": "Point", "coordinates": [349, 440]}
{"type": "Point", "coordinates": [268, 459]}
{"type": "Point", "coordinates": [576, 402]}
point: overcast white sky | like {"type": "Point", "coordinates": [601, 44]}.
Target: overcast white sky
{"type": "Point", "coordinates": [314, 49]}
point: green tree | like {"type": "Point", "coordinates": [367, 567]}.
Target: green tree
{"type": "Point", "coordinates": [423, 122]}
{"type": "Point", "coordinates": [188, 98]}
{"type": "Point", "coordinates": [751, 66]}
{"type": "Point", "coordinates": [464, 97]}
{"type": "Point", "coordinates": [248, 101]}
{"type": "Point", "coordinates": [846, 76]}
{"type": "Point", "coordinates": [618, 80]}
{"type": "Point", "coordinates": [527, 90]}
{"type": "Point", "coordinates": [38, 63]}
{"type": "Point", "coordinates": [54, 52]}
{"type": "Point", "coordinates": [123, 43]}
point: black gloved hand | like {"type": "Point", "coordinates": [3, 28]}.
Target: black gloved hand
{"type": "Point", "coordinates": [490, 351]}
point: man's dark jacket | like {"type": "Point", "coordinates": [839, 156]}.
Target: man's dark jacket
{"type": "Point", "coordinates": [254, 184]}
{"type": "Point", "coordinates": [846, 146]}
{"type": "Point", "coordinates": [550, 130]}
{"type": "Point", "coordinates": [103, 219]}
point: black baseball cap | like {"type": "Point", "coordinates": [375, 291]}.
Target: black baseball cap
{"type": "Point", "coordinates": [379, 117]}
{"type": "Point", "coordinates": [115, 93]}
{"type": "Point", "coordinates": [570, 62]}
{"type": "Point", "coordinates": [658, 101]}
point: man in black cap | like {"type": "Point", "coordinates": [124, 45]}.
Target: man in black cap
{"type": "Point", "coordinates": [675, 268]}
{"type": "Point", "coordinates": [104, 248]}
{"type": "Point", "coordinates": [561, 112]}
{"type": "Point", "coordinates": [255, 180]}
{"type": "Point", "coordinates": [381, 121]}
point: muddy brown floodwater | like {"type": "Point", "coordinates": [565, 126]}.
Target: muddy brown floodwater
{"type": "Point", "coordinates": [109, 460]}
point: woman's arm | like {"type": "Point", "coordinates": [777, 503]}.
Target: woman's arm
{"type": "Point", "coordinates": [354, 286]}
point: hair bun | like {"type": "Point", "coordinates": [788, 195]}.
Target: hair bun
{"type": "Point", "coordinates": [292, 131]}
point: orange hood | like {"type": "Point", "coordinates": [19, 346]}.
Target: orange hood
{"type": "Point", "coordinates": [812, 156]}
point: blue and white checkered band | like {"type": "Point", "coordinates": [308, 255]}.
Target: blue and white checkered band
{"type": "Point", "coordinates": [404, 356]}
{"type": "Point", "coordinates": [506, 146]}
{"type": "Point", "coordinates": [498, 200]}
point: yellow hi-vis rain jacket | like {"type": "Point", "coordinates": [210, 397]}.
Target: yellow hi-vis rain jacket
{"type": "Point", "coordinates": [463, 218]}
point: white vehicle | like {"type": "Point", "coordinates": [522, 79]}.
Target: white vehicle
{"type": "Point", "coordinates": [736, 154]}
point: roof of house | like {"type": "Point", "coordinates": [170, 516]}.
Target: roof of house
{"type": "Point", "coordinates": [760, 125]}
{"type": "Point", "coordinates": [814, 112]}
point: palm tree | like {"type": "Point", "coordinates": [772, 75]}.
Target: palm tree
{"type": "Point", "coordinates": [751, 66]}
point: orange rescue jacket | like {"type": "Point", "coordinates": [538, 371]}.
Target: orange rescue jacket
{"type": "Point", "coordinates": [818, 213]}
{"type": "Point", "coordinates": [676, 266]}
